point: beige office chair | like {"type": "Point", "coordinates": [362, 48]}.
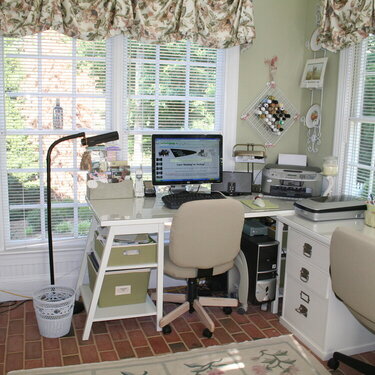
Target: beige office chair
{"type": "Point", "coordinates": [352, 257]}
{"type": "Point", "coordinates": [205, 238]}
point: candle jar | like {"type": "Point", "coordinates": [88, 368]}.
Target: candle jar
{"type": "Point", "coordinates": [330, 166]}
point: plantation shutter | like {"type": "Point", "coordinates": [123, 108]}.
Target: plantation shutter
{"type": "Point", "coordinates": [178, 87]}
{"type": "Point", "coordinates": [39, 70]}
{"type": "Point", "coordinates": [360, 156]}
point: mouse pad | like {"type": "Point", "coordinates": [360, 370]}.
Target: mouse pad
{"type": "Point", "coordinates": [268, 204]}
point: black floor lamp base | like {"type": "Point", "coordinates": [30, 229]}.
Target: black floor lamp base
{"type": "Point", "coordinates": [78, 307]}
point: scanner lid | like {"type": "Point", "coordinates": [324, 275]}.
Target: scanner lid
{"type": "Point", "coordinates": [331, 204]}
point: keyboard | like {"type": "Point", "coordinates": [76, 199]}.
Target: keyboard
{"type": "Point", "coordinates": [174, 201]}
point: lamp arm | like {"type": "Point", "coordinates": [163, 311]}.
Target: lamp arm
{"type": "Point", "coordinates": [49, 207]}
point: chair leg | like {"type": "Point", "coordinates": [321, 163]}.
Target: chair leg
{"type": "Point", "coordinates": [174, 314]}
{"type": "Point", "coordinates": [171, 297]}
{"type": "Point", "coordinates": [362, 367]}
{"type": "Point", "coordinates": [218, 301]}
{"type": "Point", "coordinates": [204, 317]}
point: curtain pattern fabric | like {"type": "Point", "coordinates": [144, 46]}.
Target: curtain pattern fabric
{"type": "Point", "coordinates": [211, 23]}
{"type": "Point", "coordinates": [345, 23]}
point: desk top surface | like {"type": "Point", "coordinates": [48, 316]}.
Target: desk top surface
{"type": "Point", "coordinates": [322, 230]}
{"type": "Point", "coordinates": [152, 209]}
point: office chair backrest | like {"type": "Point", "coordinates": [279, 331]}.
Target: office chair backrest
{"type": "Point", "coordinates": [206, 233]}
{"type": "Point", "coordinates": [352, 257]}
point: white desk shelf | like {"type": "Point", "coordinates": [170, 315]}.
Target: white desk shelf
{"type": "Point", "coordinates": [117, 312]}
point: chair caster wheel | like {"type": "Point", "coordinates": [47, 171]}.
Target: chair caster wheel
{"type": "Point", "coordinates": [333, 364]}
{"type": "Point", "coordinates": [241, 311]}
{"type": "Point", "coordinates": [227, 310]}
{"type": "Point", "coordinates": [207, 333]}
{"type": "Point", "coordinates": [167, 329]}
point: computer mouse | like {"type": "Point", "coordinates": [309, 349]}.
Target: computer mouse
{"type": "Point", "coordinates": [259, 202]}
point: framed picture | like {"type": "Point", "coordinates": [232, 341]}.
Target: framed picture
{"type": "Point", "coordinates": [313, 74]}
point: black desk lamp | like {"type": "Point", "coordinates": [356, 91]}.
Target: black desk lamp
{"type": "Point", "coordinates": [91, 141]}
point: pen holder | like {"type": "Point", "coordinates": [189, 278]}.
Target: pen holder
{"type": "Point", "coordinates": [370, 215]}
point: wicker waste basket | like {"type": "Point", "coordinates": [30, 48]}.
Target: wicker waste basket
{"type": "Point", "coordinates": [53, 307]}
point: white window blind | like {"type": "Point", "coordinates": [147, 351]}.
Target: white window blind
{"type": "Point", "coordinates": [360, 156]}
{"type": "Point", "coordinates": [38, 70]}
{"type": "Point", "coordinates": [170, 88]}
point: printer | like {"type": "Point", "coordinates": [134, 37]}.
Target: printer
{"type": "Point", "coordinates": [292, 181]}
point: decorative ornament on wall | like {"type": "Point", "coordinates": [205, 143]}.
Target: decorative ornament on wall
{"type": "Point", "coordinates": [271, 113]}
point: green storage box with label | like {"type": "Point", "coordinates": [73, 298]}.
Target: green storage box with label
{"type": "Point", "coordinates": [127, 250]}
{"type": "Point", "coordinates": [119, 287]}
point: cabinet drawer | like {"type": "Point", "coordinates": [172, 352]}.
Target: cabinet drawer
{"type": "Point", "coordinates": [305, 311]}
{"type": "Point", "coordinates": [308, 248]}
{"type": "Point", "coordinates": [132, 254]}
{"type": "Point", "coordinates": [307, 274]}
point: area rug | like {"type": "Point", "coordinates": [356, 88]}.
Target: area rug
{"type": "Point", "coordinates": [279, 355]}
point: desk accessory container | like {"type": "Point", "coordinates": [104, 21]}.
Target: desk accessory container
{"type": "Point", "coordinates": [101, 190]}
{"type": "Point", "coordinates": [128, 250]}
{"type": "Point", "coordinates": [370, 215]}
{"type": "Point", "coordinates": [121, 287]}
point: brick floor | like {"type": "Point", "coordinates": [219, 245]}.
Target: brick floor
{"type": "Point", "coordinates": [22, 347]}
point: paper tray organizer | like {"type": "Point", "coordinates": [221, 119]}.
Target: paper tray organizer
{"type": "Point", "coordinates": [123, 189]}
{"type": "Point", "coordinates": [249, 153]}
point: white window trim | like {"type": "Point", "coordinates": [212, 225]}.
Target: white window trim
{"type": "Point", "coordinates": [232, 66]}
{"type": "Point", "coordinates": [232, 57]}
{"type": "Point", "coordinates": [343, 105]}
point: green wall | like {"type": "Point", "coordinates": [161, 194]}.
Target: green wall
{"type": "Point", "coordinates": [282, 29]}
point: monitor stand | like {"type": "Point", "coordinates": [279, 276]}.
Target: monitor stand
{"type": "Point", "coordinates": [175, 189]}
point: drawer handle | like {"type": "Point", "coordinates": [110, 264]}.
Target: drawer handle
{"type": "Point", "coordinates": [307, 250]}
{"type": "Point", "coordinates": [304, 297]}
{"type": "Point", "coordinates": [302, 309]}
{"type": "Point", "coordinates": [131, 252]}
{"type": "Point", "coordinates": [304, 274]}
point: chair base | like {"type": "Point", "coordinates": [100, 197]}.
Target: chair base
{"type": "Point", "coordinates": [192, 302]}
{"type": "Point", "coordinates": [362, 367]}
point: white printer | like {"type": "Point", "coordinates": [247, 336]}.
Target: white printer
{"type": "Point", "coordinates": [291, 181]}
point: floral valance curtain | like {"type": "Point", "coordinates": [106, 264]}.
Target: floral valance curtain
{"type": "Point", "coordinates": [345, 22]}
{"type": "Point", "coordinates": [211, 23]}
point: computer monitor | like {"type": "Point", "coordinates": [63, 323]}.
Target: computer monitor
{"type": "Point", "coordinates": [180, 159]}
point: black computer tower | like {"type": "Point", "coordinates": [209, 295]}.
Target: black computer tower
{"type": "Point", "coordinates": [261, 258]}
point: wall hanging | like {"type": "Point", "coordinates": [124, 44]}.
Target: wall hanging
{"type": "Point", "coordinates": [313, 79]}
{"type": "Point", "coordinates": [271, 114]}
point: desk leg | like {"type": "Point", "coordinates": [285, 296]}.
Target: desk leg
{"type": "Point", "coordinates": [278, 237]}
{"type": "Point", "coordinates": [160, 276]}
{"type": "Point", "coordinates": [98, 284]}
{"type": "Point", "coordinates": [82, 271]}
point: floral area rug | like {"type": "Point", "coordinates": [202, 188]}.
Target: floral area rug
{"type": "Point", "coordinates": [274, 356]}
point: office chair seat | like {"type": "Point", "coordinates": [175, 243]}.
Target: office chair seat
{"type": "Point", "coordinates": [205, 239]}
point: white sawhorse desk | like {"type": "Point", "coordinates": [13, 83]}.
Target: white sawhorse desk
{"type": "Point", "coordinates": [142, 215]}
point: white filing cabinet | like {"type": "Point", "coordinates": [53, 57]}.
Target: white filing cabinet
{"type": "Point", "coordinates": [311, 311]}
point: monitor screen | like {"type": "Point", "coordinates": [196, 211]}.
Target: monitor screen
{"type": "Point", "coordinates": [186, 159]}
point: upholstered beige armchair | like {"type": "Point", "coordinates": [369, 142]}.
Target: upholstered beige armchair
{"type": "Point", "coordinates": [352, 258]}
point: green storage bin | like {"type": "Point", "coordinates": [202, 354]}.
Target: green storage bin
{"type": "Point", "coordinates": [120, 287]}
{"type": "Point", "coordinates": [141, 250]}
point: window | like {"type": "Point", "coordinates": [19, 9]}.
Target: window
{"type": "Point", "coordinates": [118, 84]}
{"type": "Point", "coordinates": [170, 88]}
{"type": "Point", "coordinates": [355, 123]}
